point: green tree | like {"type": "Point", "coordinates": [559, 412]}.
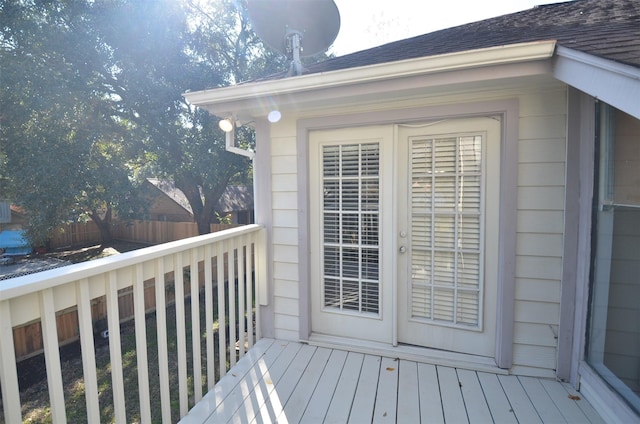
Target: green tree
{"type": "Point", "coordinates": [91, 102]}
{"type": "Point", "coordinates": [58, 118]}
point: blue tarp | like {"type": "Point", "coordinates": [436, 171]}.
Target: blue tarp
{"type": "Point", "coordinates": [14, 243]}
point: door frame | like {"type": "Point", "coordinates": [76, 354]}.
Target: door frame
{"type": "Point", "coordinates": [508, 110]}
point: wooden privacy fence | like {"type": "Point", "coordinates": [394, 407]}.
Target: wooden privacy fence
{"type": "Point", "coordinates": [149, 232]}
{"type": "Point", "coordinates": [156, 232]}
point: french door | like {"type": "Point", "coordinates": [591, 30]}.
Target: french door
{"type": "Point", "coordinates": [448, 179]}
{"type": "Point", "coordinates": [351, 277]}
{"type": "Point", "coordinates": [404, 232]}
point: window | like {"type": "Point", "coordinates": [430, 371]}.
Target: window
{"type": "Point", "coordinates": [446, 221]}
{"type": "Point", "coordinates": [350, 213]}
{"type": "Point", "coordinates": [613, 344]}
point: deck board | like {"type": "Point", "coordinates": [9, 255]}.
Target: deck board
{"type": "Point", "coordinates": [365, 398]}
{"type": "Point", "coordinates": [408, 393]}
{"type": "Point", "coordinates": [452, 401]}
{"type": "Point", "coordinates": [497, 401]}
{"type": "Point", "coordinates": [289, 382]}
{"type": "Point", "coordinates": [430, 399]}
{"type": "Point", "coordinates": [545, 407]}
{"type": "Point", "coordinates": [340, 406]}
{"type": "Point", "coordinates": [568, 407]}
{"type": "Point", "coordinates": [387, 394]}
{"type": "Point", "coordinates": [323, 394]}
{"type": "Point", "coordinates": [297, 403]}
{"type": "Point", "coordinates": [474, 400]}
{"type": "Point", "coordinates": [517, 396]}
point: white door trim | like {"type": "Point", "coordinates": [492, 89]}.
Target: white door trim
{"type": "Point", "coordinates": [509, 110]}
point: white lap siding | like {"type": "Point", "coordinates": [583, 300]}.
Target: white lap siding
{"type": "Point", "coordinates": [285, 233]}
{"type": "Point", "coordinates": [540, 226]}
{"type": "Point", "coordinates": [541, 192]}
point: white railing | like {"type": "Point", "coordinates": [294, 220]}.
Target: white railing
{"type": "Point", "coordinates": [235, 257]}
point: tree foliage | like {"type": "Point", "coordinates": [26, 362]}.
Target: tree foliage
{"type": "Point", "coordinates": [91, 102]}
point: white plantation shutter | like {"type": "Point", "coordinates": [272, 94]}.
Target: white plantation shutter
{"type": "Point", "coordinates": [446, 229]}
{"type": "Point", "coordinates": [350, 227]}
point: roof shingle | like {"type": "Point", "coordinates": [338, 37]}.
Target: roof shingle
{"type": "Point", "coordinates": [606, 28]}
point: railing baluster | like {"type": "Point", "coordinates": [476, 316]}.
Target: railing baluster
{"type": "Point", "coordinates": [195, 327]}
{"type": "Point", "coordinates": [52, 356]}
{"type": "Point", "coordinates": [139, 311]}
{"type": "Point", "coordinates": [163, 355]}
{"type": "Point", "coordinates": [249, 269]}
{"type": "Point", "coordinates": [8, 370]}
{"type": "Point", "coordinates": [262, 288]}
{"type": "Point", "coordinates": [115, 348]}
{"type": "Point", "coordinates": [178, 273]}
{"type": "Point", "coordinates": [222, 321]}
{"type": "Point", "coordinates": [232, 300]}
{"type": "Point", "coordinates": [241, 299]}
{"type": "Point", "coordinates": [208, 302]}
{"type": "Point", "coordinates": [88, 351]}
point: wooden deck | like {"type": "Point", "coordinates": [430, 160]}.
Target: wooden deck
{"type": "Point", "coordinates": [288, 382]}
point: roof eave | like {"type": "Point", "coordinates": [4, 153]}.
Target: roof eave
{"type": "Point", "coordinates": [614, 83]}
{"type": "Point", "coordinates": [222, 101]}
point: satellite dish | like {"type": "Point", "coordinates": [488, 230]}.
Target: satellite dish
{"type": "Point", "coordinates": [295, 28]}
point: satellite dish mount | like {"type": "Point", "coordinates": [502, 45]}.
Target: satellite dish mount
{"type": "Point", "coordinates": [293, 43]}
{"type": "Point", "coordinates": [282, 24]}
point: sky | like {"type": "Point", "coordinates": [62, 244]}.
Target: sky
{"type": "Point", "coordinates": [370, 23]}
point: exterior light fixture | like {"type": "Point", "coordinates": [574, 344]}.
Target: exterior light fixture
{"type": "Point", "coordinates": [274, 116]}
{"type": "Point", "coordinates": [226, 125]}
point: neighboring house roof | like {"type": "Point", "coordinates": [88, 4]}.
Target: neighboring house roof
{"type": "Point", "coordinates": [170, 190]}
{"type": "Point", "coordinates": [234, 198]}
{"type": "Point", "coordinates": [605, 28]}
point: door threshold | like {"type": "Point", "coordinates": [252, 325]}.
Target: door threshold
{"type": "Point", "coordinates": [409, 352]}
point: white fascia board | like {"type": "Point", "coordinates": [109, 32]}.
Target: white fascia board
{"type": "Point", "coordinates": [614, 83]}
{"type": "Point", "coordinates": [223, 100]}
